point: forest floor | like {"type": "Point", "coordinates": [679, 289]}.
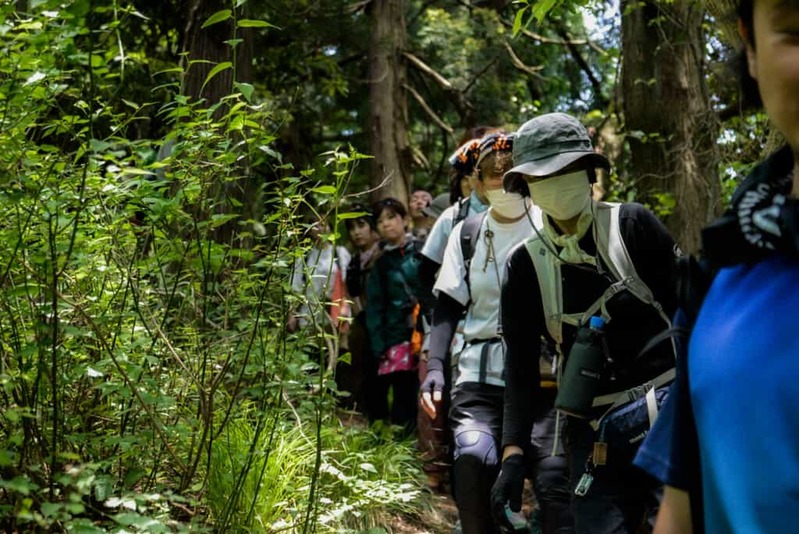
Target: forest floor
{"type": "Point", "coordinates": [439, 518]}
{"type": "Point", "coordinates": [441, 515]}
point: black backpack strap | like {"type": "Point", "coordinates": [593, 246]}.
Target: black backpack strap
{"type": "Point", "coordinates": [469, 236]}
{"type": "Point", "coordinates": [692, 281]}
{"type": "Point", "coordinates": [463, 211]}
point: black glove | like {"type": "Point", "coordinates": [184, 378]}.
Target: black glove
{"type": "Point", "coordinates": [434, 381]}
{"type": "Point", "coordinates": [508, 490]}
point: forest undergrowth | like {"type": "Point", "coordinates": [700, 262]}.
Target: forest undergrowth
{"type": "Point", "coordinates": [147, 382]}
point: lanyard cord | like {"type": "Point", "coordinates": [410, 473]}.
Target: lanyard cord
{"type": "Point", "coordinates": [491, 252]}
{"type": "Point", "coordinates": [491, 256]}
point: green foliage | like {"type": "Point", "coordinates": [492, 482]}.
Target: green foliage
{"type": "Point", "coordinates": [144, 289]}
{"type": "Point", "coordinates": [473, 49]}
{"type": "Point", "coordinates": [539, 10]}
{"type": "Point", "coordinates": [361, 476]}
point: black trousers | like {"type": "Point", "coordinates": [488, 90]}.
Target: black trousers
{"type": "Point", "coordinates": [404, 387]}
{"type": "Point", "coordinates": [549, 469]}
{"type": "Point", "coordinates": [621, 499]}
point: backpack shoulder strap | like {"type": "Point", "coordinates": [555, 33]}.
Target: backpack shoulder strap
{"type": "Point", "coordinates": [613, 251]}
{"type": "Point", "coordinates": [470, 233]}
{"type": "Point", "coordinates": [547, 271]}
{"type": "Point", "coordinates": [610, 245]}
{"type": "Point", "coordinates": [463, 211]}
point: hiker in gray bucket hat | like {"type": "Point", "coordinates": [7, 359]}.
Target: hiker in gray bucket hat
{"type": "Point", "coordinates": [549, 143]}
{"type": "Point", "coordinates": [596, 281]}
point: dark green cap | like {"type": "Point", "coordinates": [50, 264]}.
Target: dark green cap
{"type": "Point", "coordinates": [546, 144]}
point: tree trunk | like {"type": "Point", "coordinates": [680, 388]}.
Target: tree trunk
{"type": "Point", "coordinates": [669, 123]}
{"type": "Point", "coordinates": [208, 45]}
{"type": "Point", "coordinates": [388, 120]}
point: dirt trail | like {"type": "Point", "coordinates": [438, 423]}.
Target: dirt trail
{"type": "Point", "coordinates": [440, 519]}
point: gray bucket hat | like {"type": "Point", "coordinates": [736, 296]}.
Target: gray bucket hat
{"type": "Point", "coordinates": [548, 143]}
{"type": "Point", "coordinates": [437, 207]}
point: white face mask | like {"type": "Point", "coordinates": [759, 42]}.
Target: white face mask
{"type": "Point", "coordinates": [562, 197]}
{"type": "Point", "coordinates": [508, 205]}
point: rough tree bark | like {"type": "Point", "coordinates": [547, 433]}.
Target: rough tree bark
{"type": "Point", "coordinates": [669, 122]}
{"type": "Point", "coordinates": [208, 44]}
{"type": "Point", "coordinates": [388, 107]}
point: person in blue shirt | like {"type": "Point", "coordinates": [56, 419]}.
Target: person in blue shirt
{"type": "Point", "coordinates": [726, 443]}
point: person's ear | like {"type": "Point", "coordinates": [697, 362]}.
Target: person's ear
{"type": "Point", "coordinates": [749, 47]}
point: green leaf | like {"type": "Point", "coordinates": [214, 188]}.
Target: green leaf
{"type": "Point", "coordinates": [369, 468]}
{"type": "Point", "coordinates": [351, 215]}
{"type": "Point", "coordinates": [249, 23]}
{"type": "Point", "coordinates": [217, 17]}
{"type": "Point", "coordinates": [245, 89]}
{"type": "Point", "coordinates": [133, 105]}
{"type": "Point", "coordinates": [7, 457]}
{"type": "Point", "coordinates": [324, 189]}
{"type": "Point", "coordinates": [103, 487]}
{"type": "Point", "coordinates": [133, 476]}
{"type": "Point", "coordinates": [50, 508]}
{"type": "Point", "coordinates": [517, 21]}
{"type": "Point", "coordinates": [167, 71]}
{"type": "Point", "coordinates": [19, 484]}
{"type": "Point", "coordinates": [137, 171]}
{"type": "Point", "coordinates": [216, 70]}
{"type": "Point", "coordinates": [84, 526]}
{"type": "Point", "coordinates": [542, 8]}
{"type": "Point", "coordinates": [97, 145]}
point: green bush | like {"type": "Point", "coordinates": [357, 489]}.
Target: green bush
{"type": "Point", "coordinates": [143, 293]}
{"type": "Point", "coordinates": [263, 473]}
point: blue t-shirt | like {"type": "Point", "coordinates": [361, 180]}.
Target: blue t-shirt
{"type": "Point", "coordinates": [742, 399]}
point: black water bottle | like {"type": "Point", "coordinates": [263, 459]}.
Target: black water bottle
{"type": "Point", "coordinates": [583, 371]}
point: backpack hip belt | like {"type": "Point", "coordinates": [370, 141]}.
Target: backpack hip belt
{"type": "Point", "coordinates": [620, 398]}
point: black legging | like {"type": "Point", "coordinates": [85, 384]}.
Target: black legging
{"type": "Point", "coordinates": [476, 420]}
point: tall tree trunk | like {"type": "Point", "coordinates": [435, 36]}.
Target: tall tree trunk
{"type": "Point", "coordinates": [388, 120]}
{"type": "Point", "coordinates": [208, 45]}
{"type": "Point", "coordinates": [669, 122]}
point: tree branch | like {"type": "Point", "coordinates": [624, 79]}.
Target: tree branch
{"type": "Point", "coordinates": [432, 114]}
{"type": "Point", "coordinates": [427, 69]}
{"type": "Point", "coordinates": [583, 64]}
{"type": "Point", "coordinates": [357, 6]}
{"type": "Point", "coordinates": [480, 74]}
{"type": "Point", "coordinates": [519, 64]}
{"type": "Point", "coordinates": [459, 100]}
